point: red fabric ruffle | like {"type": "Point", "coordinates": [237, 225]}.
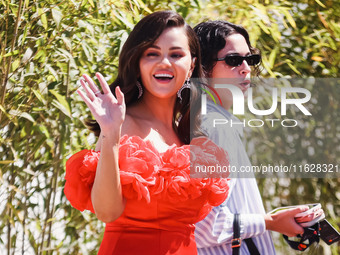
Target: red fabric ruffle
{"type": "Point", "coordinates": [145, 172]}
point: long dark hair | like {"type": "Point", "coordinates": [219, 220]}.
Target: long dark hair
{"type": "Point", "coordinates": [144, 34]}
{"type": "Point", "coordinates": [211, 35]}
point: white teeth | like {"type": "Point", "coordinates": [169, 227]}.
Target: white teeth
{"type": "Point", "coordinates": [163, 75]}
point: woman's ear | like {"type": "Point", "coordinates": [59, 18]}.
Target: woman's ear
{"type": "Point", "coordinates": [192, 67]}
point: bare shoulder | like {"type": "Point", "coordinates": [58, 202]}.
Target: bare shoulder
{"type": "Point", "coordinates": [130, 126]}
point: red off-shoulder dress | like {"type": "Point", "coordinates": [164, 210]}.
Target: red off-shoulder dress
{"type": "Point", "coordinates": [162, 201]}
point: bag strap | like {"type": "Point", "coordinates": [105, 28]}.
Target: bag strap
{"type": "Point", "coordinates": [236, 241]}
{"type": "Point", "coordinates": [252, 247]}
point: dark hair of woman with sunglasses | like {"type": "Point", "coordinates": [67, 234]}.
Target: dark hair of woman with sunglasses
{"type": "Point", "coordinates": [213, 40]}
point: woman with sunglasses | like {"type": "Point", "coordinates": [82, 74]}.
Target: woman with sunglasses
{"type": "Point", "coordinates": [229, 58]}
{"type": "Point", "coordinates": [137, 180]}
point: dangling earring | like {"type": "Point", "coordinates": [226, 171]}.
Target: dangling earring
{"type": "Point", "coordinates": [140, 89]}
{"type": "Point", "coordinates": [187, 84]}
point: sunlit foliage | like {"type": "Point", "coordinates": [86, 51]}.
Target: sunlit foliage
{"type": "Point", "coordinates": [45, 46]}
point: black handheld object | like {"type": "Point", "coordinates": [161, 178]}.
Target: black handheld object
{"type": "Point", "coordinates": [322, 229]}
{"type": "Point", "coordinates": [328, 233]}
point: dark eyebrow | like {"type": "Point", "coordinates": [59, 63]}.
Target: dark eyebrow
{"type": "Point", "coordinates": [172, 48]}
{"type": "Point", "coordinates": [176, 48]}
{"type": "Point", "coordinates": [238, 54]}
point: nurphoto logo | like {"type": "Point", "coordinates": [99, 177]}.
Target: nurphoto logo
{"type": "Point", "coordinates": [283, 100]}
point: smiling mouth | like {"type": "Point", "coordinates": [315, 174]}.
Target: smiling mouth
{"type": "Point", "coordinates": [163, 77]}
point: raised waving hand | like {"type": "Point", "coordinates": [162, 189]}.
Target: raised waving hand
{"type": "Point", "coordinates": [108, 110]}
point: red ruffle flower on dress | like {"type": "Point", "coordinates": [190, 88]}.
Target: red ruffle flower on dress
{"type": "Point", "coordinates": [145, 172]}
{"type": "Point", "coordinates": [205, 154]}
{"type": "Point", "coordinates": [139, 162]}
{"type": "Point", "coordinates": [80, 173]}
{"type": "Point", "coordinates": [175, 174]}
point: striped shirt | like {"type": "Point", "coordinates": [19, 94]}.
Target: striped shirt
{"type": "Point", "coordinates": [215, 232]}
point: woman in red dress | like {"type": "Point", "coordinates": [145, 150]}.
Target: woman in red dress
{"type": "Point", "coordinates": [137, 180]}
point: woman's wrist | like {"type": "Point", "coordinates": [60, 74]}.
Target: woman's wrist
{"type": "Point", "coordinates": [268, 219]}
{"type": "Point", "coordinates": [111, 137]}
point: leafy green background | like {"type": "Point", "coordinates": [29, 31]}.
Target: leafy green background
{"type": "Point", "coordinates": [46, 45]}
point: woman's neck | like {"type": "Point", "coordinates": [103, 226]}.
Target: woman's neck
{"type": "Point", "coordinates": [151, 117]}
{"type": "Point", "coordinates": [157, 109]}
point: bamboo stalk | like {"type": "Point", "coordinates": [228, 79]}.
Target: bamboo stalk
{"type": "Point", "coordinates": [58, 155]}
{"type": "Point", "coordinates": [9, 60]}
{"type": "Point", "coordinates": [25, 197]}
{"type": "Point", "coordinates": [4, 42]}
{"type": "Point", "coordinates": [10, 211]}
{"type": "Point", "coordinates": [48, 199]}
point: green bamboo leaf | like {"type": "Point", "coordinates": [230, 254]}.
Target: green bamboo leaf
{"type": "Point", "coordinates": [15, 64]}
{"type": "Point", "coordinates": [87, 51]}
{"type": "Point", "coordinates": [51, 219]}
{"type": "Point", "coordinates": [289, 18]}
{"type": "Point", "coordinates": [88, 26]}
{"type": "Point", "coordinates": [43, 17]}
{"type": "Point", "coordinates": [321, 4]}
{"type": "Point", "coordinates": [13, 53]}
{"type": "Point", "coordinates": [4, 111]}
{"type": "Point", "coordinates": [24, 35]}
{"type": "Point", "coordinates": [312, 40]}
{"type": "Point", "coordinates": [23, 132]}
{"type": "Point", "coordinates": [68, 43]}
{"type": "Point", "coordinates": [68, 55]}
{"type": "Point", "coordinates": [17, 113]}
{"type": "Point", "coordinates": [29, 171]}
{"type": "Point", "coordinates": [27, 55]}
{"type": "Point", "coordinates": [91, 3]}
{"type": "Point", "coordinates": [53, 72]}
{"type": "Point", "coordinates": [41, 56]}
{"type": "Point", "coordinates": [144, 6]}
{"type": "Point", "coordinates": [304, 29]}
{"type": "Point", "coordinates": [38, 95]}
{"type": "Point", "coordinates": [269, 70]}
{"type": "Point", "coordinates": [27, 116]}
{"type": "Point", "coordinates": [332, 44]}
{"type": "Point", "coordinates": [57, 15]}
{"type": "Point", "coordinates": [275, 32]}
{"type": "Point", "coordinates": [61, 103]}
{"type": "Point", "coordinates": [44, 131]}
{"type": "Point", "coordinates": [37, 146]}
{"type": "Point", "coordinates": [272, 57]}
{"type": "Point", "coordinates": [50, 143]}
{"type": "Point", "coordinates": [263, 26]}
{"type": "Point", "coordinates": [293, 67]}
{"type": "Point", "coordinates": [61, 107]}
{"type": "Point", "coordinates": [125, 20]}
{"type": "Point", "coordinates": [6, 162]}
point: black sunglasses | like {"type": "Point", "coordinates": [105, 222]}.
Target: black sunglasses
{"type": "Point", "coordinates": [237, 60]}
